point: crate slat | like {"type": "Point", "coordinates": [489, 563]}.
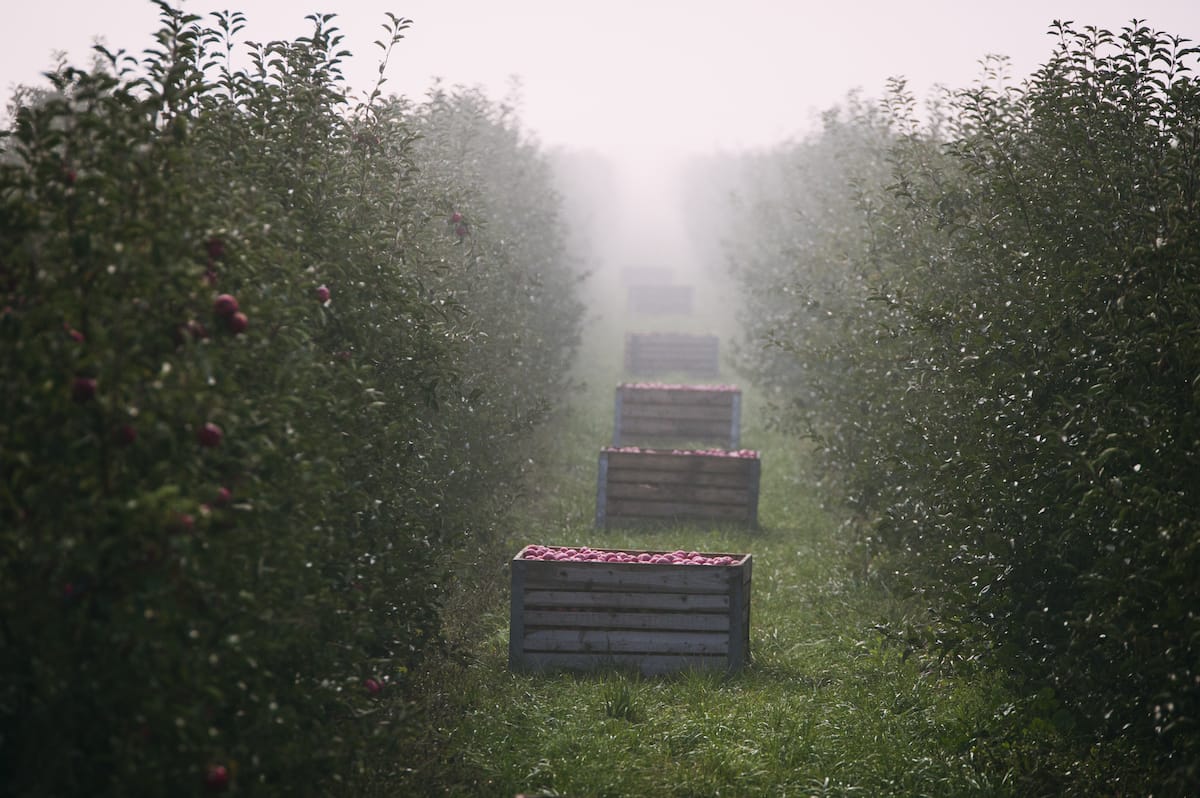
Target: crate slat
{"type": "Point", "coordinates": [636, 577]}
{"type": "Point", "coordinates": [626, 641]}
{"type": "Point", "coordinates": [627, 600]}
{"type": "Point", "coordinates": [634, 510]}
{"type": "Point", "coordinates": [665, 621]}
{"type": "Point", "coordinates": [678, 492]}
{"type": "Point", "coordinates": [652, 460]}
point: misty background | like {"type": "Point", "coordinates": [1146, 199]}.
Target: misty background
{"type": "Point", "coordinates": [626, 95]}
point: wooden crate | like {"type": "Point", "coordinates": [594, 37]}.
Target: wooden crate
{"type": "Point", "coordinates": [660, 486]}
{"type": "Point", "coordinates": [651, 414]}
{"type": "Point", "coordinates": [657, 618]}
{"type": "Point", "coordinates": [660, 299]}
{"type": "Point", "coordinates": [649, 354]}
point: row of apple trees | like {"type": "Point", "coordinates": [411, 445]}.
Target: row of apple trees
{"type": "Point", "coordinates": [986, 312]}
{"type": "Point", "coordinates": [268, 354]}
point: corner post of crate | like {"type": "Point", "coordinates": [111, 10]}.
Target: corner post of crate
{"type": "Point", "coordinates": [738, 625]}
{"type": "Point", "coordinates": [735, 422]}
{"type": "Point", "coordinates": [616, 441]}
{"type": "Point", "coordinates": [516, 614]}
{"type": "Point", "coordinates": [755, 476]}
{"type": "Point", "coordinates": [602, 491]}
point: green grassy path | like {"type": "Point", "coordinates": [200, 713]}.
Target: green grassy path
{"type": "Point", "coordinates": [839, 698]}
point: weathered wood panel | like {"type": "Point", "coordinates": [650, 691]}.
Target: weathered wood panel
{"type": "Point", "coordinates": [654, 485]}
{"type": "Point", "coordinates": [652, 415]}
{"type": "Point", "coordinates": [648, 354]}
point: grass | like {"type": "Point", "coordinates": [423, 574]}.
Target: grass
{"type": "Point", "coordinates": [844, 696]}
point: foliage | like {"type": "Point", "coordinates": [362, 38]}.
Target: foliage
{"type": "Point", "coordinates": [993, 339]}
{"type": "Point", "coordinates": [222, 533]}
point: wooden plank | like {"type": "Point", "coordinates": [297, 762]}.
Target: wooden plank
{"type": "Point", "coordinates": [648, 665]}
{"type": "Point", "coordinates": [623, 641]}
{"type": "Point", "coordinates": [628, 600]}
{"type": "Point", "coordinates": [696, 396]}
{"type": "Point", "coordinates": [516, 626]}
{"type": "Point", "coordinates": [602, 489]}
{"type": "Point", "coordinates": [660, 492]}
{"type": "Point", "coordinates": [636, 428]}
{"type": "Point", "coordinates": [665, 621]}
{"type": "Point", "coordinates": [689, 412]}
{"type": "Point", "coordinates": [628, 508]}
{"type": "Point", "coordinates": [638, 476]}
{"type": "Point", "coordinates": [637, 577]}
{"type": "Point", "coordinates": [680, 463]}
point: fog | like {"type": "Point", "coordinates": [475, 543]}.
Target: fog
{"type": "Point", "coordinates": [624, 92]}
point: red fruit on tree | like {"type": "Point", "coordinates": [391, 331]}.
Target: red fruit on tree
{"type": "Point", "coordinates": [322, 293]}
{"type": "Point", "coordinates": [224, 496]}
{"type": "Point", "coordinates": [215, 247]}
{"type": "Point", "coordinates": [210, 435]}
{"type": "Point", "coordinates": [83, 389]}
{"type": "Point", "coordinates": [455, 217]}
{"type": "Point", "coordinates": [461, 230]}
{"type": "Point", "coordinates": [225, 305]}
{"type": "Point", "coordinates": [126, 434]}
{"type": "Point", "coordinates": [216, 778]}
{"type": "Point", "coordinates": [238, 323]}
{"type": "Point", "coordinates": [197, 329]}
{"type": "Point", "coordinates": [373, 686]}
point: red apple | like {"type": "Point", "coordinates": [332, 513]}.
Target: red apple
{"type": "Point", "coordinates": [83, 389]}
{"type": "Point", "coordinates": [216, 778]}
{"type": "Point", "coordinates": [210, 435]}
{"type": "Point", "coordinates": [238, 323]}
{"type": "Point", "coordinates": [225, 305]}
{"type": "Point", "coordinates": [126, 434]}
{"type": "Point", "coordinates": [215, 248]}
{"type": "Point", "coordinates": [224, 496]}
{"type": "Point", "coordinates": [455, 217]}
{"type": "Point", "coordinates": [322, 293]}
{"type": "Point", "coordinates": [373, 686]}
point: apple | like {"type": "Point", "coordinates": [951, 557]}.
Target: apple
{"type": "Point", "coordinates": [209, 436]}
{"type": "Point", "coordinates": [238, 323]}
{"type": "Point", "coordinates": [322, 294]}
{"type": "Point", "coordinates": [373, 686]}
{"type": "Point", "coordinates": [216, 778]}
{"type": "Point", "coordinates": [225, 305]}
{"type": "Point", "coordinates": [224, 496]}
{"type": "Point", "coordinates": [215, 247]}
{"type": "Point", "coordinates": [126, 434]}
{"type": "Point", "coordinates": [455, 217]}
{"type": "Point", "coordinates": [83, 389]}
{"type": "Point", "coordinates": [197, 329]}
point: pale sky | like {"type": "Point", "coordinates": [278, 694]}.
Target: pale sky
{"type": "Point", "coordinates": [644, 79]}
